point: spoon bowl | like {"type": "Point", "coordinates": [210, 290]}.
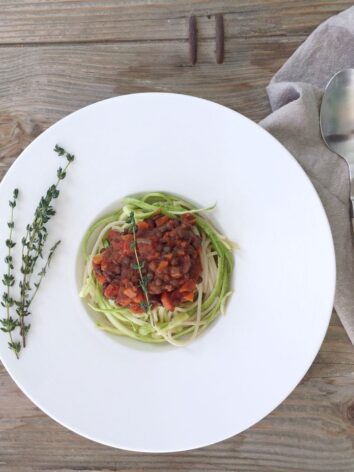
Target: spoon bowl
{"type": "Point", "coordinates": [337, 120]}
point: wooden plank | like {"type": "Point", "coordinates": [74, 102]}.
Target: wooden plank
{"type": "Point", "coordinates": [72, 21]}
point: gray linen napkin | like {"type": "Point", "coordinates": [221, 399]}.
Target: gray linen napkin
{"type": "Point", "coordinates": [295, 94]}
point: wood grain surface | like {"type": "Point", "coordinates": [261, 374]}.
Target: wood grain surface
{"type": "Point", "coordinates": [57, 56]}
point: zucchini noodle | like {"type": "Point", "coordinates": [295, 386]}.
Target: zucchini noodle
{"type": "Point", "coordinates": [159, 325]}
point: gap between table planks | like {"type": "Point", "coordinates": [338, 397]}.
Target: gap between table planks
{"type": "Point", "coordinates": [56, 57]}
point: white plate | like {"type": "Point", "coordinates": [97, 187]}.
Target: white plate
{"type": "Point", "coordinates": [152, 398]}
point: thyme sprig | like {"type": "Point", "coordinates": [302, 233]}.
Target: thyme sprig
{"type": "Point", "coordinates": [9, 324]}
{"type": "Point", "coordinates": [143, 282]}
{"type": "Point", "coordinates": [33, 245]}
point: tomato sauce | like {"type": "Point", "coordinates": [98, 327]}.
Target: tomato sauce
{"type": "Point", "coordinates": [169, 256]}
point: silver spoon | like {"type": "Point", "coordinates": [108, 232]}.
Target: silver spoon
{"type": "Point", "coordinates": [337, 120]}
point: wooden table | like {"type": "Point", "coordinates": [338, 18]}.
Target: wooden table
{"type": "Point", "coordinates": [58, 56]}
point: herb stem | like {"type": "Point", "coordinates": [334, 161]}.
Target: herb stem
{"type": "Point", "coordinates": [9, 265]}
{"type": "Point", "coordinates": [140, 272]}
{"type": "Point", "coordinates": [9, 273]}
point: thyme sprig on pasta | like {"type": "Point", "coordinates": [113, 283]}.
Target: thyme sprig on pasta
{"type": "Point", "coordinates": [143, 282]}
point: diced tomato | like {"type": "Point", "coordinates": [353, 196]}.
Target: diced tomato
{"type": "Point", "coordinates": [162, 220]}
{"type": "Point", "coordinates": [111, 235]}
{"type": "Point", "coordinates": [189, 218]}
{"type": "Point", "coordinates": [101, 279]}
{"type": "Point", "coordinates": [162, 266]}
{"type": "Point", "coordinates": [139, 297]}
{"type": "Point", "coordinates": [127, 241]}
{"type": "Point", "coordinates": [136, 308]}
{"type": "Point", "coordinates": [122, 300]}
{"type": "Point", "coordinates": [188, 286]}
{"type": "Point", "coordinates": [97, 259]}
{"type": "Point", "coordinates": [129, 292]}
{"type": "Point", "coordinates": [155, 289]}
{"type": "Point", "coordinates": [188, 297]}
{"type": "Point", "coordinates": [143, 225]}
{"type": "Point", "coordinates": [153, 266]}
{"type": "Point", "coordinates": [104, 265]}
{"type": "Point", "coordinates": [111, 291]}
{"type": "Point", "coordinates": [166, 301]}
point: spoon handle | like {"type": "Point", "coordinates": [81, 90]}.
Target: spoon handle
{"type": "Point", "coordinates": [351, 176]}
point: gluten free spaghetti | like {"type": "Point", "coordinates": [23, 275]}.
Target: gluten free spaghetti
{"type": "Point", "coordinates": [156, 269]}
